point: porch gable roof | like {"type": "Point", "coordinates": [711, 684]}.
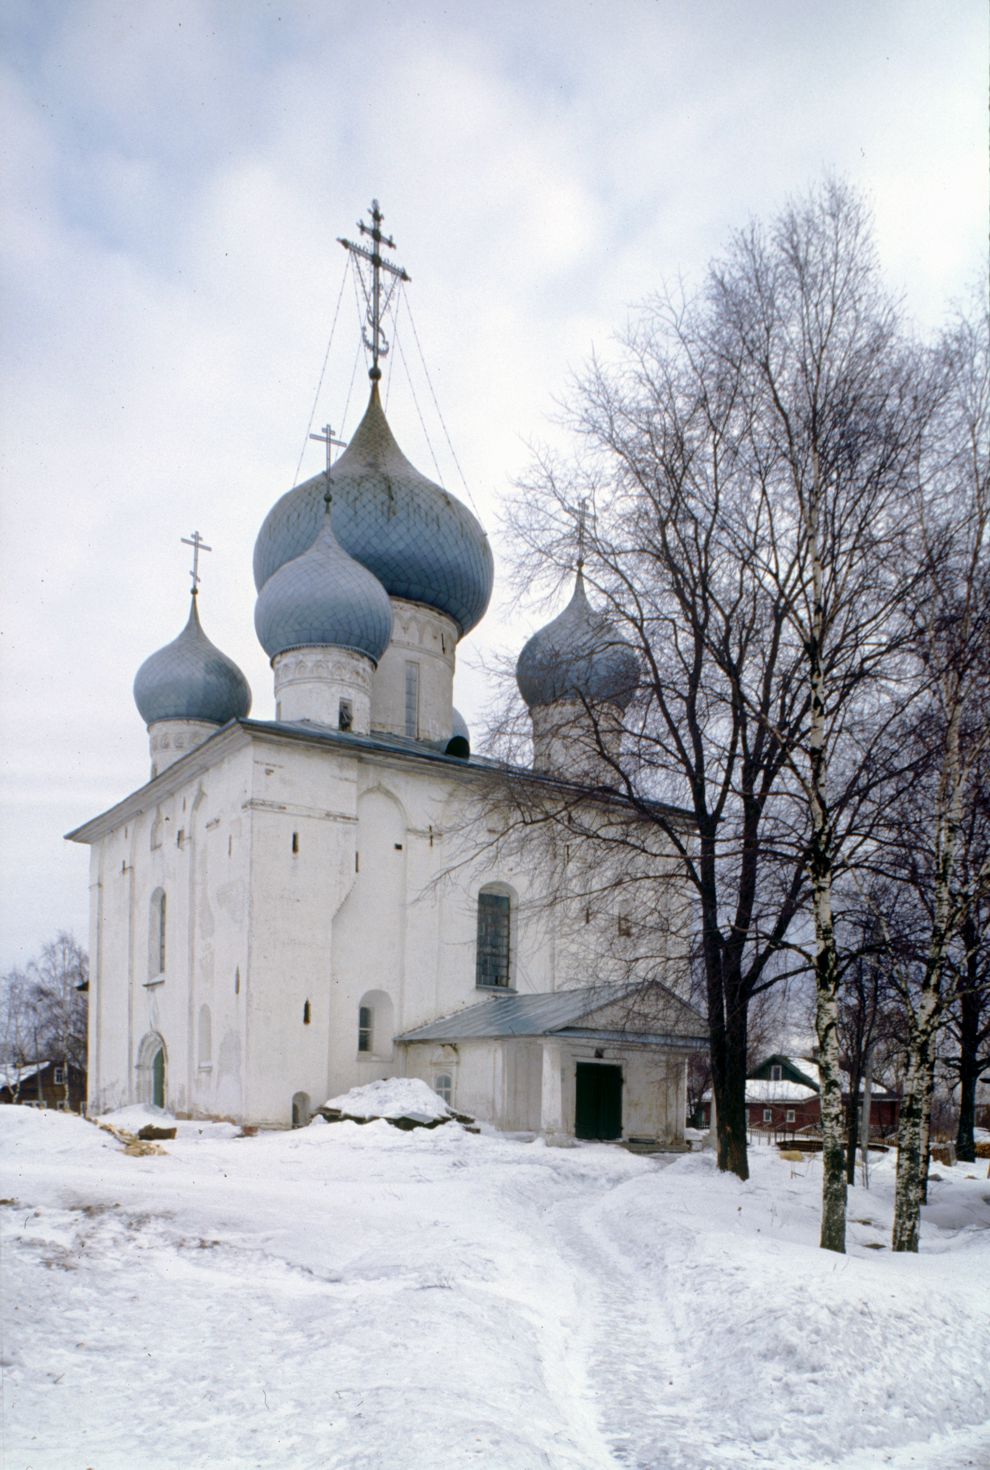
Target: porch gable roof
{"type": "Point", "coordinates": [592, 1013]}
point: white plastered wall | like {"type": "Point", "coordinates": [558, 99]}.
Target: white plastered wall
{"type": "Point", "coordinates": [303, 873]}
{"type": "Point", "coordinates": [192, 845]}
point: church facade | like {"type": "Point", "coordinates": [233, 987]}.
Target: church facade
{"type": "Point", "coordinates": [292, 907]}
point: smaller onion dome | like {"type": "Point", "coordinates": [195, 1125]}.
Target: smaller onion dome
{"type": "Point", "coordinates": [324, 598]}
{"type": "Point", "coordinates": [577, 656]}
{"type": "Point", "coordinates": [459, 743]}
{"type": "Point", "coordinates": [190, 679]}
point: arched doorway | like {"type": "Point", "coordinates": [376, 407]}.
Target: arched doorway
{"type": "Point", "coordinates": [152, 1071]}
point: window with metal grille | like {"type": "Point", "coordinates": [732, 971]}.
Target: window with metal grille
{"type": "Point", "coordinates": [494, 931]}
{"type": "Point", "coordinates": [412, 700]}
{"type": "Point", "coordinates": [365, 1027]}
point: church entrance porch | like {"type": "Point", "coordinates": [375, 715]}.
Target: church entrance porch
{"type": "Point", "coordinates": [598, 1101]}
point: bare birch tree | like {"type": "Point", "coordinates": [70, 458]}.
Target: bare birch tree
{"type": "Point", "coordinates": [750, 460]}
{"type": "Point", "coordinates": [953, 630]}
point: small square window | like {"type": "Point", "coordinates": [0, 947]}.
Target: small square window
{"type": "Point", "coordinates": [791, 1115]}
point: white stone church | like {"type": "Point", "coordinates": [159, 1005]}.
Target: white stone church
{"type": "Point", "coordinates": [292, 907]}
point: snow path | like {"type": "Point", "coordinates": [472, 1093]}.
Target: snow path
{"type": "Point", "coordinates": [647, 1408]}
{"type": "Point", "coordinates": [356, 1298]}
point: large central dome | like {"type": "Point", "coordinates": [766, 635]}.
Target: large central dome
{"type": "Point", "coordinates": [421, 543]}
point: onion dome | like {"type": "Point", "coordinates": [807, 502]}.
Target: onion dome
{"type": "Point", "coordinates": [459, 743]}
{"type": "Point", "coordinates": [324, 598]}
{"type": "Point", "coordinates": [578, 656]}
{"type": "Point", "coordinates": [190, 679]}
{"type": "Point", "coordinates": [421, 543]}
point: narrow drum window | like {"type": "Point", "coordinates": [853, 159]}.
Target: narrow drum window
{"type": "Point", "coordinates": [494, 949]}
{"type": "Point", "coordinates": [412, 700]}
{"type": "Point", "coordinates": [365, 1024]}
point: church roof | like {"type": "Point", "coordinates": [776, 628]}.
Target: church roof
{"type": "Point", "coordinates": [421, 543]}
{"type": "Point", "coordinates": [561, 1013]}
{"type": "Point", "coordinates": [335, 742]}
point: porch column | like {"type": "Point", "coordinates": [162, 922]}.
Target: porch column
{"type": "Point", "coordinates": [552, 1124]}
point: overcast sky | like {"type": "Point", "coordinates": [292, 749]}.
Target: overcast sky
{"type": "Point", "coordinates": [177, 174]}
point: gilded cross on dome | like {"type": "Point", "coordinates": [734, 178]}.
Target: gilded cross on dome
{"type": "Point", "coordinates": [377, 343]}
{"type": "Point", "coordinates": [198, 544]}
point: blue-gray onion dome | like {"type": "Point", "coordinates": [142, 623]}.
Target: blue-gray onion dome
{"type": "Point", "coordinates": [190, 679]}
{"type": "Point", "coordinates": [578, 656]}
{"type": "Point", "coordinates": [324, 598]}
{"type": "Point", "coordinates": [421, 543]}
{"type": "Point", "coordinates": [459, 743]}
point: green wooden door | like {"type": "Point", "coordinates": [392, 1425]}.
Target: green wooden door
{"type": "Point", "coordinates": [599, 1101]}
{"type": "Point", "coordinates": [158, 1079]}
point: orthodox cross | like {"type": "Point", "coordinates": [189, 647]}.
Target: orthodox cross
{"type": "Point", "coordinates": [198, 544]}
{"type": "Point", "coordinates": [325, 436]}
{"type": "Point", "coordinates": [581, 521]}
{"type": "Point", "coordinates": [377, 345]}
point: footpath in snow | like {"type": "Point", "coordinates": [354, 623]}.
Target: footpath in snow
{"type": "Point", "coordinates": [353, 1296]}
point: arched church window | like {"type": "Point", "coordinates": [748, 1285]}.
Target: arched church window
{"type": "Point", "coordinates": [205, 1050]}
{"type": "Point", "coordinates": [494, 953]}
{"type": "Point", "coordinates": [156, 936]}
{"type": "Point", "coordinates": [375, 1025]}
{"type": "Point", "coordinates": [443, 1086]}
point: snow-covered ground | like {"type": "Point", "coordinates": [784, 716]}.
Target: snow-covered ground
{"type": "Point", "coordinates": [356, 1296]}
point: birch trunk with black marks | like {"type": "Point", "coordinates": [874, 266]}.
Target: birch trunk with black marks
{"type": "Point", "coordinates": [833, 1225]}
{"type": "Point", "coordinates": [912, 1142]}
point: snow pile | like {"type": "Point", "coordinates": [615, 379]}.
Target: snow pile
{"type": "Point", "coordinates": [46, 1133]}
{"type": "Point", "coordinates": [351, 1298]}
{"type": "Point", "coordinates": [392, 1098]}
